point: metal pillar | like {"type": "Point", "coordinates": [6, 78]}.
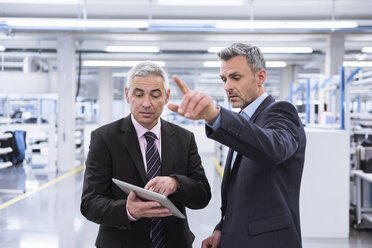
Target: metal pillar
{"type": "Point", "coordinates": [105, 95]}
{"type": "Point", "coordinates": [334, 53]}
{"type": "Point", "coordinates": [66, 102]}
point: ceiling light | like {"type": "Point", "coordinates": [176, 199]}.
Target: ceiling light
{"type": "Point", "coordinates": [2, 48]}
{"type": "Point", "coordinates": [132, 49]}
{"type": "Point", "coordinates": [65, 2]}
{"type": "Point", "coordinates": [276, 64]}
{"type": "Point", "coordinates": [74, 23]}
{"type": "Point", "coordinates": [215, 49]}
{"type": "Point", "coordinates": [116, 63]}
{"type": "Point", "coordinates": [358, 63]}
{"type": "Point", "coordinates": [286, 49]}
{"type": "Point", "coordinates": [212, 63]}
{"type": "Point", "coordinates": [268, 64]}
{"type": "Point", "coordinates": [120, 74]}
{"type": "Point", "coordinates": [201, 2]}
{"type": "Point", "coordinates": [285, 24]}
{"type": "Point", "coordinates": [367, 49]}
{"type": "Point", "coordinates": [272, 49]}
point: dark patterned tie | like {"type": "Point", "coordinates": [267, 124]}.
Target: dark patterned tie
{"type": "Point", "coordinates": [153, 170]}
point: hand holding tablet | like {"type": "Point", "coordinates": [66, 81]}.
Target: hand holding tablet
{"type": "Point", "coordinates": [149, 195]}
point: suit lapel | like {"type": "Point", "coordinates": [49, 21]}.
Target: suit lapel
{"type": "Point", "coordinates": [129, 137]}
{"type": "Point", "coordinates": [227, 171]}
{"type": "Point", "coordinates": [168, 148]}
{"type": "Point", "coordinates": [268, 100]}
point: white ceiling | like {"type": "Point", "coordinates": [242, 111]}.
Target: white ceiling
{"type": "Point", "coordinates": [183, 47]}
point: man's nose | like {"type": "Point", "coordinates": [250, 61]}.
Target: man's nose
{"type": "Point", "coordinates": [146, 102]}
{"type": "Point", "coordinates": [227, 85]}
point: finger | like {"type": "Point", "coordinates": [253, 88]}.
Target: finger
{"type": "Point", "coordinates": [199, 108]}
{"type": "Point", "coordinates": [173, 107]}
{"type": "Point", "coordinates": [191, 112]}
{"type": "Point", "coordinates": [181, 84]}
{"type": "Point", "coordinates": [151, 183]}
{"type": "Point", "coordinates": [151, 205]}
{"type": "Point", "coordinates": [159, 212]}
{"type": "Point", "coordinates": [215, 243]}
{"type": "Point", "coordinates": [205, 243]}
{"type": "Point", "coordinates": [131, 196]}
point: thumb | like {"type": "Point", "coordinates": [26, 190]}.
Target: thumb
{"type": "Point", "coordinates": [173, 107]}
{"type": "Point", "coordinates": [131, 196]}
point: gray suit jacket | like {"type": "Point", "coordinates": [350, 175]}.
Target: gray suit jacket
{"type": "Point", "coordinates": [115, 153]}
{"type": "Point", "coordinates": [260, 195]}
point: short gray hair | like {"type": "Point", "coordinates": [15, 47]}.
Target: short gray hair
{"type": "Point", "coordinates": [146, 69]}
{"type": "Point", "coordinates": [252, 53]}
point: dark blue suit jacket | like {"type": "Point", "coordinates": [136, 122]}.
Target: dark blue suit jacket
{"type": "Point", "coordinates": [260, 195]}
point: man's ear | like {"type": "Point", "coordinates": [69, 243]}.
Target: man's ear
{"type": "Point", "coordinates": [261, 75]}
{"type": "Point", "coordinates": [167, 96]}
{"type": "Point", "coordinates": [126, 94]}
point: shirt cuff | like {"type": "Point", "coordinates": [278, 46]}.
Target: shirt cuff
{"type": "Point", "coordinates": [130, 217]}
{"type": "Point", "coordinates": [216, 123]}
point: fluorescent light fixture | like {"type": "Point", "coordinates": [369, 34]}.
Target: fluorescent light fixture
{"type": "Point", "coordinates": [364, 49]}
{"type": "Point", "coordinates": [358, 63]}
{"type": "Point", "coordinates": [2, 48]}
{"type": "Point", "coordinates": [132, 49]}
{"type": "Point", "coordinates": [276, 64]}
{"type": "Point", "coordinates": [212, 63]}
{"type": "Point", "coordinates": [286, 49]}
{"type": "Point", "coordinates": [116, 63]}
{"type": "Point", "coordinates": [272, 49]}
{"type": "Point", "coordinates": [74, 23]}
{"type": "Point", "coordinates": [201, 2]}
{"type": "Point", "coordinates": [268, 64]}
{"type": "Point", "coordinates": [119, 74]}
{"type": "Point", "coordinates": [215, 49]}
{"type": "Point", "coordinates": [285, 24]}
{"type": "Point", "coordinates": [64, 2]}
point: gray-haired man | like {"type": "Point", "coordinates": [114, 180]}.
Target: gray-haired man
{"type": "Point", "coordinates": [144, 150]}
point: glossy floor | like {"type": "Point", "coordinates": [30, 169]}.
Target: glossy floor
{"type": "Point", "coordinates": [49, 217]}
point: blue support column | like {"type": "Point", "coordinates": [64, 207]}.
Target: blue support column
{"type": "Point", "coordinates": [358, 104]}
{"type": "Point", "coordinates": [307, 107]}
{"type": "Point", "coordinates": [342, 98]}
{"type": "Point", "coordinates": [291, 93]}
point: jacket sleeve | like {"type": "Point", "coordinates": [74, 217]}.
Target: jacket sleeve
{"type": "Point", "coordinates": [272, 141]}
{"type": "Point", "coordinates": [194, 191]}
{"type": "Point", "coordinates": [97, 204]}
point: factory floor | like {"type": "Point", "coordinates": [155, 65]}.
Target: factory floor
{"type": "Point", "coordinates": [39, 209]}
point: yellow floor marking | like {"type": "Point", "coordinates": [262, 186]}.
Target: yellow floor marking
{"type": "Point", "coordinates": [27, 194]}
{"type": "Point", "coordinates": [218, 167]}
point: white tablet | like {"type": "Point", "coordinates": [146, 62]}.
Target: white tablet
{"type": "Point", "coordinates": [149, 195]}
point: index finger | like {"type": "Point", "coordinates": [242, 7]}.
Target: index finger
{"type": "Point", "coordinates": [181, 84]}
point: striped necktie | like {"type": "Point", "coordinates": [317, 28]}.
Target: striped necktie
{"type": "Point", "coordinates": [153, 170]}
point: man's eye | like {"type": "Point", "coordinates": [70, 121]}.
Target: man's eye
{"type": "Point", "coordinates": [138, 94]}
{"type": "Point", "coordinates": [155, 95]}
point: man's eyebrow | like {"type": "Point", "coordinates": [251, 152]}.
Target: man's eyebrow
{"type": "Point", "coordinates": [138, 89]}
{"type": "Point", "coordinates": [233, 74]}
{"type": "Point", "coordinates": [155, 90]}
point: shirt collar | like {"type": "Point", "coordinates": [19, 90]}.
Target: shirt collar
{"type": "Point", "coordinates": [140, 130]}
{"type": "Point", "coordinates": [252, 107]}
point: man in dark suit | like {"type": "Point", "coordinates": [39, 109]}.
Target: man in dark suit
{"type": "Point", "coordinates": [123, 151]}
{"type": "Point", "coordinates": [261, 182]}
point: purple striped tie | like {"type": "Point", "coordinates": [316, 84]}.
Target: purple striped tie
{"type": "Point", "coordinates": [153, 170]}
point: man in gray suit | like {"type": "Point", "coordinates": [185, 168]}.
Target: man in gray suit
{"type": "Point", "coordinates": [261, 182]}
